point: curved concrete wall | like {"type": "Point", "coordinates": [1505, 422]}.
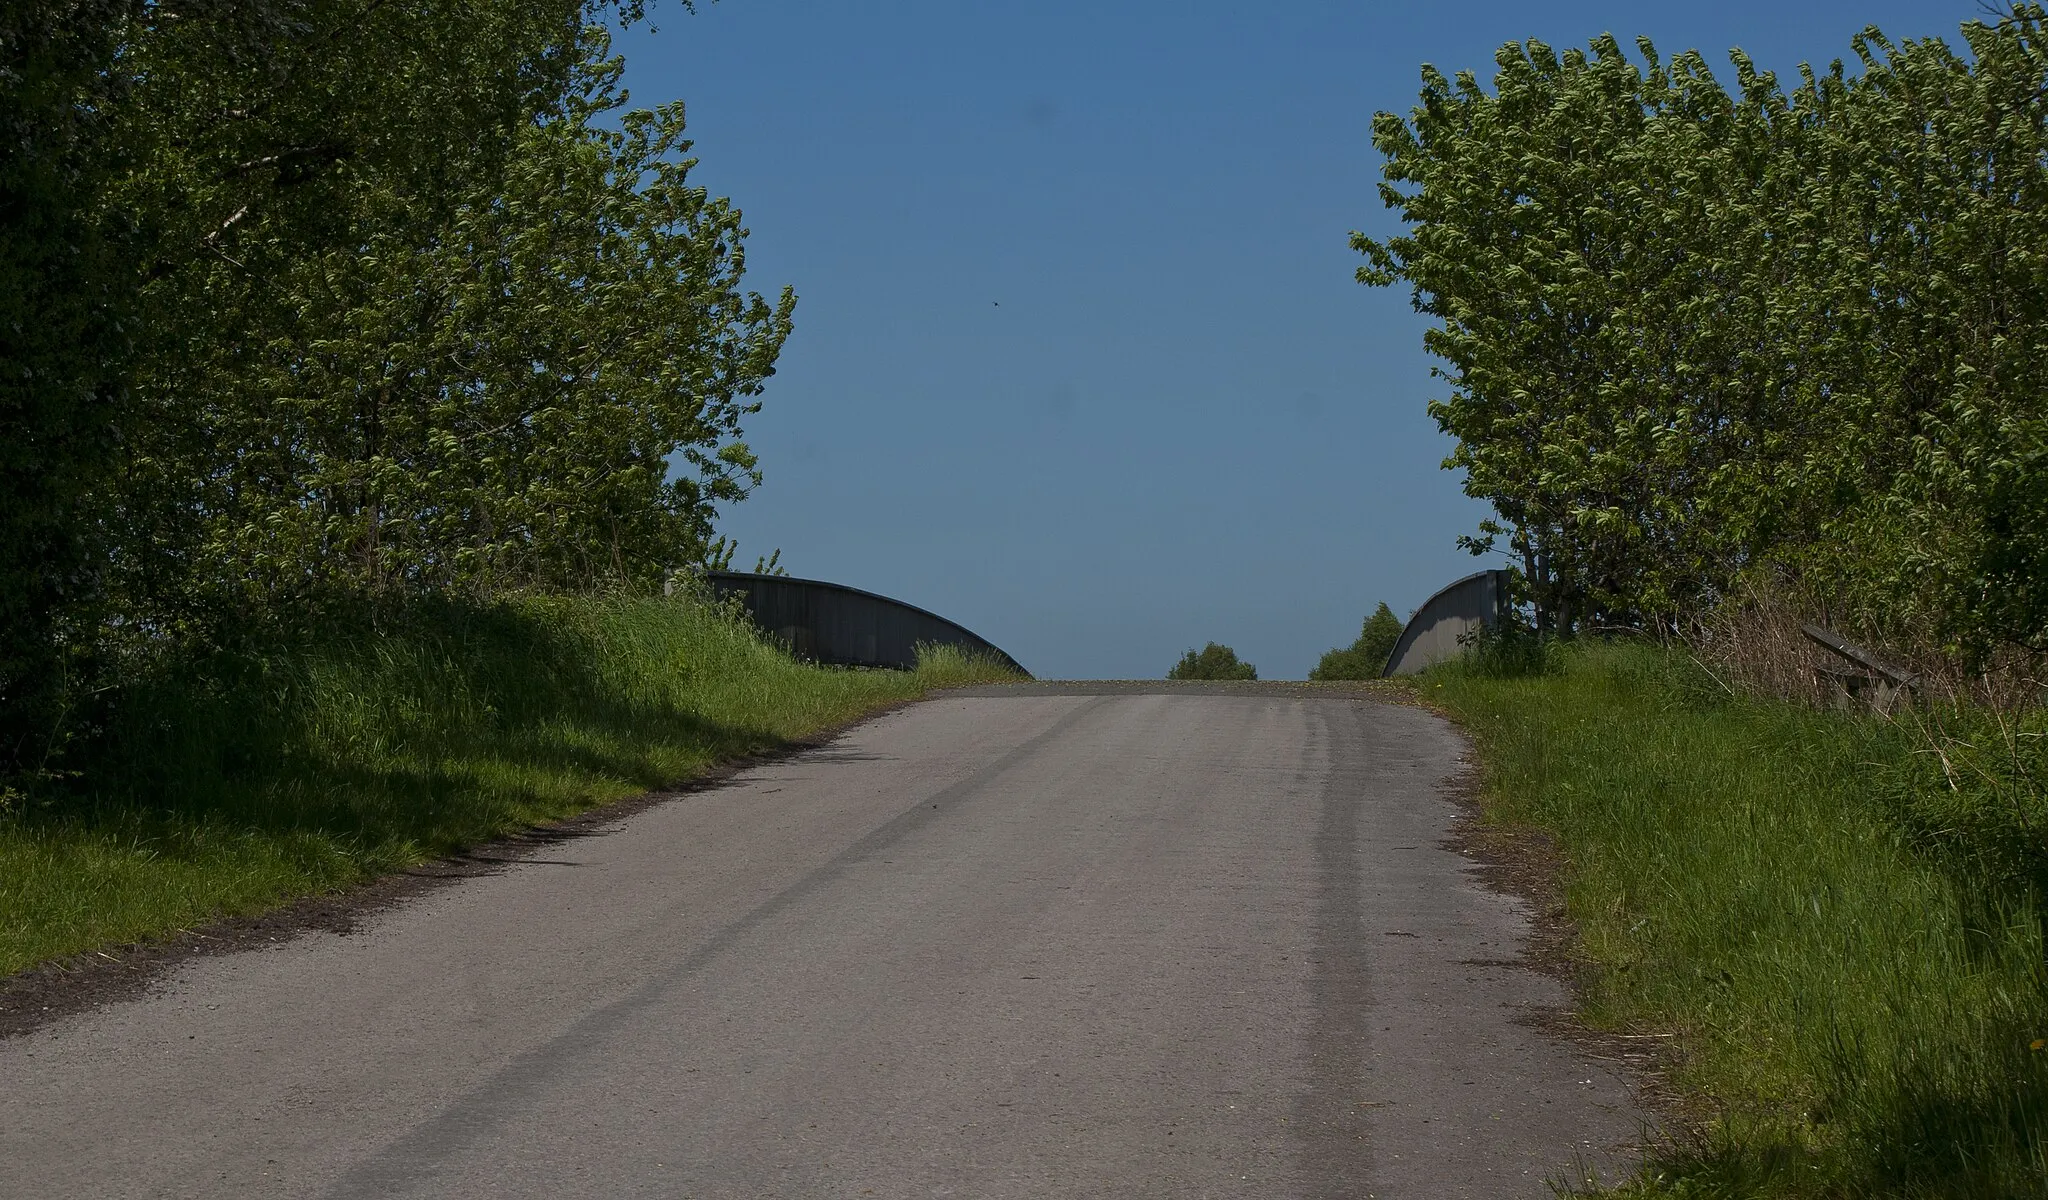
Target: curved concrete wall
{"type": "Point", "coordinates": [827, 622]}
{"type": "Point", "coordinates": [1432, 634]}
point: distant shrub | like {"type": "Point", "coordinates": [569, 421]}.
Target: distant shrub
{"type": "Point", "coordinates": [1366, 657]}
{"type": "Point", "coordinates": [1214, 661]}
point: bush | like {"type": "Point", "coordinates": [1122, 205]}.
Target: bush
{"type": "Point", "coordinates": [1365, 658]}
{"type": "Point", "coordinates": [1215, 661]}
{"type": "Point", "coordinates": [1510, 652]}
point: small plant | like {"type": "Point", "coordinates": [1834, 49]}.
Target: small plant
{"type": "Point", "coordinates": [718, 556]}
{"type": "Point", "coordinates": [1213, 661]}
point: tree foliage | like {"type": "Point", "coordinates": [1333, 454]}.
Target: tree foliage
{"type": "Point", "coordinates": [305, 303]}
{"type": "Point", "coordinates": [1213, 661]}
{"type": "Point", "coordinates": [65, 294]}
{"type": "Point", "coordinates": [1365, 657]}
{"type": "Point", "coordinates": [492, 396]}
{"type": "Point", "coordinates": [1692, 333]}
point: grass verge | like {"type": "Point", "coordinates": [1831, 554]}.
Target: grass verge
{"type": "Point", "coordinates": [1846, 938]}
{"type": "Point", "coordinates": [229, 786]}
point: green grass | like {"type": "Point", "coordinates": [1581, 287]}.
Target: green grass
{"type": "Point", "coordinates": [231, 785]}
{"type": "Point", "coordinates": [1848, 946]}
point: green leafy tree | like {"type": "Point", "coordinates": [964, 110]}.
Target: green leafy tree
{"type": "Point", "coordinates": [495, 397]}
{"type": "Point", "coordinates": [66, 294]}
{"type": "Point", "coordinates": [165, 166]}
{"type": "Point", "coordinates": [1366, 657]}
{"type": "Point", "coordinates": [1583, 234]}
{"type": "Point", "coordinates": [1213, 661]}
{"type": "Point", "coordinates": [305, 303]}
{"type": "Point", "coordinates": [1936, 392]}
{"type": "Point", "coordinates": [282, 159]}
{"type": "Point", "coordinates": [1694, 337]}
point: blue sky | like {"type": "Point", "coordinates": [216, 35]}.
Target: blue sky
{"type": "Point", "coordinates": [1079, 361]}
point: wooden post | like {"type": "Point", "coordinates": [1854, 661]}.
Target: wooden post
{"type": "Point", "coordinates": [1883, 682]}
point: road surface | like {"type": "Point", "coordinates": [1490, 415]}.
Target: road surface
{"type": "Point", "coordinates": [1032, 942]}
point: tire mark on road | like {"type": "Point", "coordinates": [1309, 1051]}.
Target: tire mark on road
{"type": "Point", "coordinates": [1328, 1121]}
{"type": "Point", "coordinates": [410, 1161]}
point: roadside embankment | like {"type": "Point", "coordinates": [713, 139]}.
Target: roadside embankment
{"type": "Point", "coordinates": [228, 785]}
{"type": "Point", "coordinates": [1835, 924]}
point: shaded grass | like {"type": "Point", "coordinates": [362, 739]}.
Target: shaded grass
{"type": "Point", "coordinates": [1843, 942]}
{"type": "Point", "coordinates": [235, 783]}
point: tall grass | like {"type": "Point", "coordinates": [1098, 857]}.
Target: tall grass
{"type": "Point", "coordinates": [234, 783]}
{"type": "Point", "coordinates": [1841, 940]}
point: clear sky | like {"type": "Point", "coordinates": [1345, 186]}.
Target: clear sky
{"type": "Point", "coordinates": [1079, 361]}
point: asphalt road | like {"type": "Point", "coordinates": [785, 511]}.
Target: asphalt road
{"type": "Point", "coordinates": [1025, 943]}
